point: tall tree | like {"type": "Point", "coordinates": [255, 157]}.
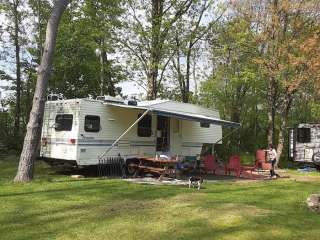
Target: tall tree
{"type": "Point", "coordinates": [147, 39]}
{"type": "Point", "coordinates": [37, 16]}
{"type": "Point", "coordinates": [18, 64]}
{"type": "Point", "coordinates": [83, 63]}
{"type": "Point", "coordinates": [190, 33]}
{"type": "Point", "coordinates": [288, 38]}
{"type": "Point", "coordinates": [40, 11]}
{"type": "Point", "coordinates": [14, 17]}
{"type": "Point", "coordinates": [288, 31]}
{"type": "Point", "coordinates": [232, 87]}
{"type": "Point", "coordinates": [32, 138]}
{"type": "Point", "coordinates": [103, 17]}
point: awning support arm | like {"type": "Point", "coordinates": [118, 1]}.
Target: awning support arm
{"type": "Point", "coordinates": [226, 135]}
{"type": "Point", "coordinates": [124, 133]}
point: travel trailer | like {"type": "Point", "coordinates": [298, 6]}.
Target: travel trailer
{"type": "Point", "coordinates": [82, 131]}
{"type": "Point", "coordinates": [304, 143]}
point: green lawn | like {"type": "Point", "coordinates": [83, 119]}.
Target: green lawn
{"type": "Point", "coordinates": [57, 207]}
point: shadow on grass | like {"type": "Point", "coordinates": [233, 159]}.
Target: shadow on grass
{"type": "Point", "coordinates": [44, 213]}
{"type": "Point", "coordinates": [114, 209]}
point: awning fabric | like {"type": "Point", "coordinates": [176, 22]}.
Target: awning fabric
{"type": "Point", "coordinates": [180, 110]}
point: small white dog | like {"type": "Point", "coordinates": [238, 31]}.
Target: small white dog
{"type": "Point", "coordinates": [195, 181]}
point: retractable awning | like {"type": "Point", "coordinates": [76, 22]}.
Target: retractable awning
{"type": "Point", "coordinates": [174, 109]}
{"type": "Point", "coordinates": [180, 110]}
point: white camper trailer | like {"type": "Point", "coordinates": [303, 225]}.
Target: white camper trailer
{"type": "Point", "coordinates": [81, 131]}
{"type": "Point", "coordinates": [304, 143]}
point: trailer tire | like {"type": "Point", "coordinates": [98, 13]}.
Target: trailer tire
{"type": "Point", "coordinates": [316, 159]}
{"type": "Point", "coordinates": [131, 171]}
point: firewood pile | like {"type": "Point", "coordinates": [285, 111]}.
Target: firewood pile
{"type": "Point", "coordinates": [313, 202]}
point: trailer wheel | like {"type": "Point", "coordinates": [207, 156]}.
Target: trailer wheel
{"type": "Point", "coordinates": [316, 159]}
{"type": "Point", "coordinates": [131, 171]}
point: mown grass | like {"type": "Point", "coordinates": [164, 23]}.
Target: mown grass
{"type": "Point", "coordinates": [54, 206]}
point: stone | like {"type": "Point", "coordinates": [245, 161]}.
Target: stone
{"type": "Point", "coordinates": [77, 176]}
{"type": "Point", "coordinates": [313, 202]}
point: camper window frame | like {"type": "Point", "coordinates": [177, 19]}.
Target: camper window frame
{"type": "Point", "coordinates": [65, 127]}
{"type": "Point", "coordinates": [142, 130]}
{"type": "Point", "coordinates": [205, 124]}
{"type": "Point", "coordinates": [303, 137]}
{"type": "Point", "coordinates": [96, 129]}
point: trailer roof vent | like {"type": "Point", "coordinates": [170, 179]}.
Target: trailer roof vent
{"type": "Point", "coordinates": [111, 99]}
{"type": "Point", "coordinates": [132, 102]}
{"type": "Point", "coordinates": [55, 97]}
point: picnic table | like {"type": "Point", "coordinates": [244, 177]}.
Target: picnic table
{"type": "Point", "coordinates": [154, 165]}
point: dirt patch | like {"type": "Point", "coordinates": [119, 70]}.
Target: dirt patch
{"type": "Point", "coordinates": [155, 181]}
{"type": "Point", "coordinates": [185, 180]}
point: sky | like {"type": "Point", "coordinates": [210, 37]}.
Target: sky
{"type": "Point", "coordinates": [131, 88]}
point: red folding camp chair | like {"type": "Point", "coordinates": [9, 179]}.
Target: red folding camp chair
{"type": "Point", "coordinates": [210, 164]}
{"type": "Point", "coordinates": [234, 165]}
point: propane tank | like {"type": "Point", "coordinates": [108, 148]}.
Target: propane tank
{"type": "Point", "coordinates": [260, 155]}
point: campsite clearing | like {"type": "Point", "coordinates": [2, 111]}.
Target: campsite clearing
{"type": "Point", "coordinates": [55, 206]}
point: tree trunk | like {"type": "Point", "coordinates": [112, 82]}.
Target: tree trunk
{"type": "Point", "coordinates": [188, 62]}
{"type": "Point", "coordinates": [283, 126]}
{"type": "Point", "coordinates": [156, 43]}
{"type": "Point", "coordinates": [281, 140]}
{"type": "Point", "coordinates": [159, 34]}
{"type": "Point", "coordinates": [271, 100]}
{"type": "Point", "coordinates": [39, 30]}
{"type": "Point", "coordinates": [28, 95]}
{"type": "Point", "coordinates": [270, 128]}
{"type": "Point", "coordinates": [177, 66]}
{"type": "Point", "coordinates": [18, 70]}
{"type": "Point", "coordinates": [235, 117]}
{"type": "Point", "coordinates": [194, 77]}
{"type": "Point", "coordinates": [32, 138]}
{"type": "Point", "coordinates": [102, 70]}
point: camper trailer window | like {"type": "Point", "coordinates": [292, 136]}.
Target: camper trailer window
{"type": "Point", "coordinates": [63, 122]}
{"type": "Point", "coordinates": [304, 135]}
{"type": "Point", "coordinates": [144, 126]}
{"type": "Point", "coordinates": [92, 123]}
{"type": "Point", "coordinates": [204, 124]}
